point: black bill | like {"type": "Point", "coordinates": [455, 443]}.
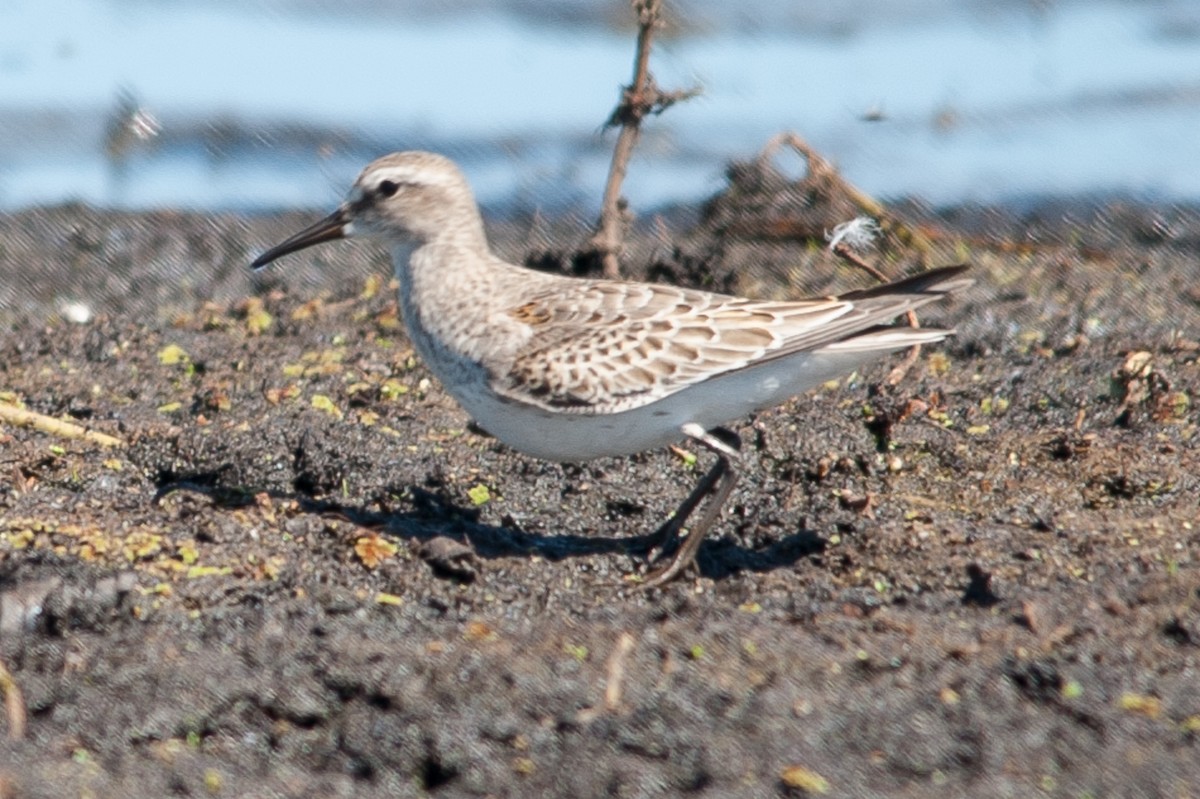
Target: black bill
{"type": "Point", "coordinates": [330, 228]}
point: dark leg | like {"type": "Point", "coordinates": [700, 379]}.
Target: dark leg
{"type": "Point", "coordinates": [723, 475]}
{"type": "Point", "coordinates": [673, 526]}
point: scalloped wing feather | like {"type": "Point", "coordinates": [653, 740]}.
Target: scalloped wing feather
{"type": "Point", "coordinates": [604, 347]}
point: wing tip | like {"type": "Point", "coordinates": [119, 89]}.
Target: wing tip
{"type": "Point", "coordinates": [888, 338]}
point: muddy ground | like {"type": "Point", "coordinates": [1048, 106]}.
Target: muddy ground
{"type": "Point", "coordinates": [307, 574]}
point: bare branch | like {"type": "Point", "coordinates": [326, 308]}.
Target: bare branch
{"type": "Point", "coordinates": [639, 99]}
{"type": "Point", "coordinates": [861, 200]}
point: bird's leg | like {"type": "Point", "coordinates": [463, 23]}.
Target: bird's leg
{"type": "Point", "coordinates": [723, 475]}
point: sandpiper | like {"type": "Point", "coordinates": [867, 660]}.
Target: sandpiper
{"type": "Point", "coordinates": [571, 369]}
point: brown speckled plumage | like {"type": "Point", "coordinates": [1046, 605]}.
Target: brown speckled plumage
{"type": "Point", "coordinates": [569, 369]}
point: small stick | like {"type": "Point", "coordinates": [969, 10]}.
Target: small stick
{"type": "Point", "coordinates": [842, 249]}
{"type": "Point", "coordinates": [865, 202]}
{"type": "Point", "coordinates": [616, 671]}
{"type": "Point", "coordinates": [901, 369]}
{"type": "Point", "coordinates": [55, 427]}
{"type": "Point", "coordinates": [14, 704]}
{"type": "Point", "coordinates": [638, 99]}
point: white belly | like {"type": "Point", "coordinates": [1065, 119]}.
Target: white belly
{"type": "Point", "coordinates": [568, 436]}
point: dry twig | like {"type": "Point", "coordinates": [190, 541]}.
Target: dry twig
{"type": "Point", "coordinates": [641, 98]}
{"type": "Point", "coordinates": [14, 705]}
{"type": "Point", "coordinates": [841, 248]}
{"type": "Point", "coordinates": [818, 166]}
{"type": "Point", "coordinates": [616, 671]}
{"type": "Point", "coordinates": [55, 427]}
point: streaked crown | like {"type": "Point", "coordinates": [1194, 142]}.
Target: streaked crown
{"type": "Point", "coordinates": [414, 195]}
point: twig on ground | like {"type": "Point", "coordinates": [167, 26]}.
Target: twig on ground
{"type": "Point", "coordinates": [640, 98]}
{"type": "Point", "coordinates": [14, 705]}
{"type": "Point", "coordinates": [55, 427]}
{"type": "Point", "coordinates": [616, 671]}
{"type": "Point", "coordinates": [901, 369]}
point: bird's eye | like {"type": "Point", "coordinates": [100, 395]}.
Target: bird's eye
{"type": "Point", "coordinates": [388, 188]}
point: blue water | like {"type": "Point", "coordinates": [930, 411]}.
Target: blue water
{"type": "Point", "coordinates": [258, 105]}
